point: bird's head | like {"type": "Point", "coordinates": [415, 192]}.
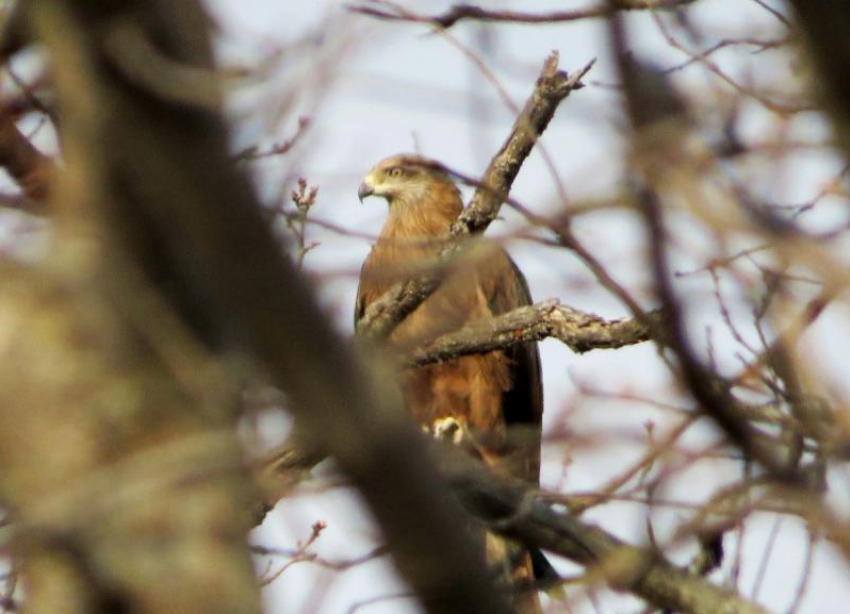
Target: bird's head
{"type": "Point", "coordinates": [404, 178]}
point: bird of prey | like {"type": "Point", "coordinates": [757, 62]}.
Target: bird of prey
{"type": "Point", "coordinates": [491, 403]}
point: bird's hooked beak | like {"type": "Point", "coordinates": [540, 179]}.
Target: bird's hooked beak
{"type": "Point", "coordinates": [365, 189]}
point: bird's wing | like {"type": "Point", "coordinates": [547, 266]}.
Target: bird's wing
{"type": "Point", "coordinates": [369, 287]}
{"type": "Point", "coordinates": [360, 304]}
{"type": "Point", "coordinates": [506, 289]}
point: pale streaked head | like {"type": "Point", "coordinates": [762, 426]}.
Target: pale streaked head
{"type": "Point", "coordinates": [403, 177]}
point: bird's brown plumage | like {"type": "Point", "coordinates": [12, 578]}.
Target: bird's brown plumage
{"type": "Point", "coordinates": [492, 402]}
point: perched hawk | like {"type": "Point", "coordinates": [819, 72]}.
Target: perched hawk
{"type": "Point", "coordinates": [491, 403]}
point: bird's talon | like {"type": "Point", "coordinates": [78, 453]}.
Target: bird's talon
{"type": "Point", "coordinates": [448, 429]}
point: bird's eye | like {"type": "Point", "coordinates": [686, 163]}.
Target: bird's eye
{"type": "Point", "coordinates": [395, 172]}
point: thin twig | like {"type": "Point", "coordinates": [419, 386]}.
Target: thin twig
{"type": "Point", "coordinates": [714, 397]}
{"type": "Point", "coordinates": [460, 12]}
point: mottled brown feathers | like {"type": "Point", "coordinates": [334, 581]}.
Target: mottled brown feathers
{"type": "Point", "coordinates": [492, 403]}
{"type": "Point", "coordinates": [489, 394]}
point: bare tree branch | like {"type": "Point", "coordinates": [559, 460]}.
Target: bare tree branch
{"type": "Point", "coordinates": [552, 87]}
{"type": "Point", "coordinates": [461, 12]}
{"type": "Point", "coordinates": [543, 520]}
{"type": "Point", "coordinates": [537, 519]}
{"type": "Point", "coordinates": [580, 331]}
{"type": "Point", "coordinates": [189, 222]}
{"type": "Point", "coordinates": [254, 152]}
{"type": "Point", "coordinates": [146, 175]}
{"type": "Point", "coordinates": [650, 103]}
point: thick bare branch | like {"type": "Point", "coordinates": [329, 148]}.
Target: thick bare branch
{"type": "Point", "coordinates": [580, 331]}
{"type": "Point", "coordinates": [543, 520]}
{"type": "Point", "coordinates": [540, 520]}
{"type": "Point", "coordinates": [190, 223]}
{"type": "Point", "coordinates": [552, 87]}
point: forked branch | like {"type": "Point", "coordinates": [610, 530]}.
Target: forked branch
{"type": "Point", "coordinates": [552, 87]}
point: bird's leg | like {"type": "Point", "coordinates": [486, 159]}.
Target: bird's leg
{"type": "Point", "coordinates": [455, 430]}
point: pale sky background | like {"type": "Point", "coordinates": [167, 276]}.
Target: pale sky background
{"type": "Point", "coordinates": [374, 89]}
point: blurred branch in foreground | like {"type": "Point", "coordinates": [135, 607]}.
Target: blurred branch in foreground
{"type": "Point", "coordinates": [546, 521]}
{"type": "Point", "coordinates": [151, 162]}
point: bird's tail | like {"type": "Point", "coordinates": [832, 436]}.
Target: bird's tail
{"type": "Point", "coordinates": [546, 577]}
{"type": "Point", "coordinates": [514, 569]}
